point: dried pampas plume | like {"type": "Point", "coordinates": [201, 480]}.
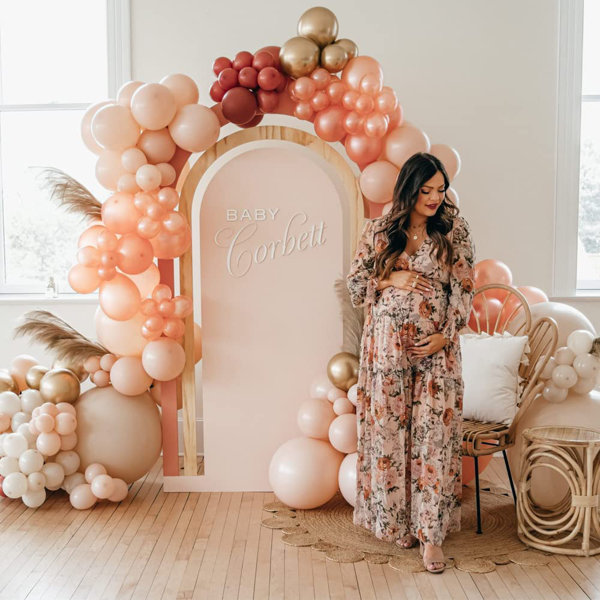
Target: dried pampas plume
{"type": "Point", "coordinates": [58, 337]}
{"type": "Point", "coordinates": [596, 347]}
{"type": "Point", "coordinates": [70, 194]}
{"type": "Point", "coordinates": [352, 319]}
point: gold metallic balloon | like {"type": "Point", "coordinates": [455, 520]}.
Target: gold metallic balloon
{"type": "Point", "coordinates": [334, 58]}
{"type": "Point", "coordinates": [349, 46]}
{"type": "Point", "coordinates": [34, 376]}
{"type": "Point", "coordinates": [7, 383]}
{"type": "Point", "coordinates": [342, 370]}
{"type": "Point", "coordinates": [318, 24]}
{"type": "Point", "coordinates": [77, 368]}
{"type": "Point", "coordinates": [299, 56]}
{"type": "Point", "coordinates": [59, 385]}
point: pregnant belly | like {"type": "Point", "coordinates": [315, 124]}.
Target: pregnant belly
{"type": "Point", "coordinates": [413, 305]}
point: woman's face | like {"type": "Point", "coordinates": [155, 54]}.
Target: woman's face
{"type": "Point", "coordinates": [431, 195]}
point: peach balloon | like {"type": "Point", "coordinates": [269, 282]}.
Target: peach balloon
{"type": "Point", "coordinates": [534, 295]}
{"type": "Point", "coordinates": [109, 169]}
{"type": "Point", "coordinates": [126, 91]}
{"type": "Point", "coordinates": [128, 184]}
{"type": "Point", "coordinates": [147, 280]}
{"type": "Point", "coordinates": [341, 406]}
{"type": "Point", "coordinates": [148, 177]}
{"type": "Point", "coordinates": [114, 127]}
{"type": "Point", "coordinates": [183, 88]}
{"type": "Point", "coordinates": [347, 478]}
{"type": "Point", "coordinates": [121, 337]}
{"type": "Point", "coordinates": [314, 417]}
{"type": "Point", "coordinates": [197, 342]}
{"type": "Point", "coordinates": [134, 254]}
{"type": "Point", "coordinates": [119, 298]}
{"type": "Point", "coordinates": [153, 106]}
{"type": "Point", "coordinates": [404, 141]}
{"type": "Point", "coordinates": [363, 149]}
{"type": "Point", "coordinates": [449, 157]}
{"type": "Point", "coordinates": [491, 271]}
{"type": "Point", "coordinates": [172, 245]}
{"type": "Point", "coordinates": [132, 159]}
{"type": "Point", "coordinates": [167, 174]}
{"type": "Point", "coordinates": [128, 376]}
{"type": "Point", "coordinates": [100, 378]}
{"type": "Point", "coordinates": [90, 236]}
{"type": "Point", "coordinates": [83, 280]}
{"type": "Point", "coordinates": [82, 497]}
{"type": "Point", "coordinates": [377, 181]}
{"type": "Point", "coordinates": [120, 490]}
{"type": "Point", "coordinates": [343, 434]}
{"type": "Point", "coordinates": [93, 470]}
{"type": "Point", "coordinates": [195, 128]}
{"type": "Point", "coordinates": [48, 443]}
{"type": "Point", "coordinates": [303, 472]}
{"type": "Point", "coordinates": [158, 146]}
{"type": "Point", "coordinates": [119, 213]}
{"type": "Point", "coordinates": [163, 359]}
{"type": "Point", "coordinates": [107, 361]}
{"type": "Point", "coordinates": [358, 67]}
{"type": "Point", "coordinates": [86, 130]}
{"type": "Point", "coordinates": [19, 366]}
{"type": "Point", "coordinates": [320, 387]}
{"type": "Point", "coordinates": [102, 486]}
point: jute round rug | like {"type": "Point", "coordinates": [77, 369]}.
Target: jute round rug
{"type": "Point", "coordinates": [330, 529]}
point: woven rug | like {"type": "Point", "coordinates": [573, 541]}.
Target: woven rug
{"type": "Point", "coordinates": [330, 529]}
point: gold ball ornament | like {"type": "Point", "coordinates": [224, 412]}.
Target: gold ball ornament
{"type": "Point", "coordinates": [342, 370]}
{"type": "Point", "coordinates": [34, 376]}
{"type": "Point", "coordinates": [59, 385]}
{"type": "Point", "coordinates": [299, 56]}
{"type": "Point", "coordinates": [318, 24]}
{"type": "Point", "coordinates": [334, 58]}
{"type": "Point", "coordinates": [349, 46]}
{"type": "Point", "coordinates": [7, 383]}
{"type": "Point", "coordinates": [77, 368]}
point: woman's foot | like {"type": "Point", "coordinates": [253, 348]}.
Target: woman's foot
{"type": "Point", "coordinates": [433, 558]}
{"type": "Point", "coordinates": [407, 541]}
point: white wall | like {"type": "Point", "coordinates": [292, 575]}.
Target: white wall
{"type": "Point", "coordinates": [481, 76]}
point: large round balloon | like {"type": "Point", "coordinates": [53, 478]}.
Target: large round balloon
{"type": "Point", "coordinates": [347, 478]}
{"type": "Point", "coordinates": [304, 472]}
{"type": "Point", "coordinates": [123, 433]}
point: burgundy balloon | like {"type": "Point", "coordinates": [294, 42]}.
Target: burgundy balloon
{"type": "Point", "coordinates": [253, 122]}
{"type": "Point", "coordinates": [228, 78]}
{"type": "Point", "coordinates": [239, 105]}
{"type": "Point", "coordinates": [216, 92]}
{"type": "Point", "coordinates": [221, 63]}
{"type": "Point", "coordinates": [267, 100]}
{"type": "Point", "coordinates": [262, 60]}
{"type": "Point", "coordinates": [269, 78]}
{"type": "Point", "coordinates": [273, 51]}
{"type": "Point", "coordinates": [242, 59]}
{"type": "Point", "coordinates": [281, 87]}
{"type": "Point", "coordinates": [248, 77]}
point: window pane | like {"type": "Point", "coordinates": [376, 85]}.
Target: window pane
{"type": "Point", "coordinates": [591, 47]}
{"type": "Point", "coordinates": [40, 239]}
{"type": "Point", "coordinates": [588, 263]}
{"type": "Point", "coordinates": [53, 51]}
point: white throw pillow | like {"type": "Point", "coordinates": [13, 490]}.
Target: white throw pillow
{"type": "Point", "coordinates": [490, 370]}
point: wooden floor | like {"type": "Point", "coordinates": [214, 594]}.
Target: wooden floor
{"type": "Point", "coordinates": [212, 545]}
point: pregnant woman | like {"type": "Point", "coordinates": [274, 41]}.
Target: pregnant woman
{"type": "Point", "coordinates": [413, 270]}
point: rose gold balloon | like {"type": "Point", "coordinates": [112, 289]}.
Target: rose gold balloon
{"type": "Point", "coordinates": [172, 245]}
{"type": "Point", "coordinates": [114, 127]}
{"type": "Point", "coordinates": [128, 376]}
{"type": "Point", "coordinates": [158, 146]}
{"type": "Point", "coordinates": [314, 417]}
{"type": "Point", "coordinates": [126, 91]}
{"type": "Point", "coordinates": [349, 46]}
{"type": "Point", "coordinates": [334, 58]}
{"type": "Point", "coordinates": [449, 157]}
{"type": "Point", "coordinates": [362, 149]}
{"type": "Point", "coordinates": [492, 271]}
{"type": "Point", "coordinates": [403, 142]}
{"type": "Point", "coordinates": [59, 385]}
{"type": "Point", "coordinates": [336, 91]}
{"type": "Point", "coordinates": [342, 370]}
{"type": "Point", "coordinates": [376, 125]}
{"type": "Point", "coordinates": [195, 128]}
{"type": "Point", "coordinates": [358, 67]}
{"type": "Point", "coordinates": [183, 88]}
{"type": "Point", "coordinates": [377, 181]}
{"type": "Point", "coordinates": [32, 378]}
{"type": "Point", "coordinates": [299, 56]}
{"type": "Point", "coordinates": [82, 497]}
{"type": "Point", "coordinates": [329, 124]}
{"type": "Point", "coordinates": [318, 24]}
{"type": "Point", "coordinates": [153, 106]}
{"type": "Point", "coordinates": [304, 88]}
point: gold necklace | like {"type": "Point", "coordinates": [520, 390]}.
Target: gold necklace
{"type": "Point", "coordinates": [416, 235]}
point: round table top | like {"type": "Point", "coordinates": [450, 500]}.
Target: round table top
{"type": "Point", "coordinates": [563, 436]}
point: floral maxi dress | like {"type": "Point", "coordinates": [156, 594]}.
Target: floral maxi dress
{"type": "Point", "coordinates": [409, 410]}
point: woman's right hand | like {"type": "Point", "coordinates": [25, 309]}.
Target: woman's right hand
{"type": "Point", "coordinates": [409, 280]}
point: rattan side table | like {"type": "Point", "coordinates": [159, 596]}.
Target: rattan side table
{"type": "Point", "coordinates": [570, 526]}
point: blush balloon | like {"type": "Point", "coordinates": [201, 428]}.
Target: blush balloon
{"type": "Point", "coordinates": [109, 169]}
{"type": "Point", "coordinates": [114, 127]}
{"type": "Point", "coordinates": [359, 67]}
{"type": "Point", "coordinates": [491, 271]}
{"type": "Point", "coordinates": [83, 280]}
{"type": "Point", "coordinates": [377, 181]}
{"type": "Point", "coordinates": [119, 213]}
{"type": "Point", "coordinates": [153, 106]}
{"type": "Point", "coordinates": [128, 376]}
{"type": "Point", "coordinates": [158, 146]}
{"type": "Point", "coordinates": [163, 359]}
{"type": "Point", "coordinates": [147, 280]}
{"type": "Point", "coordinates": [121, 337]}
{"type": "Point", "coordinates": [119, 298]}
{"type": "Point", "coordinates": [404, 141]}
{"type": "Point", "coordinates": [183, 88]}
{"type": "Point", "coordinates": [195, 127]}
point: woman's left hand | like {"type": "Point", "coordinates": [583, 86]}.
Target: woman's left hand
{"type": "Point", "coordinates": [428, 345]}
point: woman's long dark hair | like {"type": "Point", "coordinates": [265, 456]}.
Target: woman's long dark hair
{"type": "Point", "coordinates": [417, 170]}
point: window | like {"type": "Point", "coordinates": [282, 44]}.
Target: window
{"type": "Point", "coordinates": [56, 58]}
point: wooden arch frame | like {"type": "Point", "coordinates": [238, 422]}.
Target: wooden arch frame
{"type": "Point", "coordinates": [187, 391]}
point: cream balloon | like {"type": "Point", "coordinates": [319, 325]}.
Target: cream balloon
{"type": "Point", "coordinates": [320, 387]}
{"type": "Point", "coordinates": [55, 475]}
{"type": "Point", "coordinates": [69, 461]}
{"type": "Point", "coordinates": [580, 341]}
{"type": "Point", "coordinates": [343, 433]}
{"type": "Point", "coordinates": [584, 385]}
{"type": "Point", "coordinates": [34, 499]}
{"type": "Point", "coordinates": [114, 127]}
{"type": "Point", "coordinates": [82, 497]}
{"type": "Point", "coordinates": [120, 490]}
{"type": "Point", "coordinates": [353, 394]}
{"type": "Point", "coordinates": [103, 486]}
{"type": "Point", "coordinates": [36, 481]}
{"type": "Point", "coordinates": [314, 417]}
{"type": "Point", "coordinates": [347, 478]}
{"type": "Point", "coordinates": [14, 485]}
{"type": "Point", "coordinates": [15, 445]}
{"type": "Point", "coordinates": [72, 481]}
{"type": "Point", "coordinates": [564, 376]}
{"type": "Point", "coordinates": [30, 461]}
{"type": "Point", "coordinates": [586, 366]}
{"type": "Point", "coordinates": [9, 403]}
{"type": "Point", "coordinates": [554, 394]}
{"type": "Point", "coordinates": [564, 356]}
{"type": "Point", "coordinates": [342, 406]}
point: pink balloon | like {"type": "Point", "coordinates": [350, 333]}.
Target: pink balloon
{"type": "Point", "coordinates": [449, 157]}
{"type": "Point", "coordinates": [126, 91]}
{"type": "Point", "coordinates": [147, 280]}
{"type": "Point", "coordinates": [353, 123]}
{"type": "Point", "coordinates": [403, 142]}
{"type": "Point", "coordinates": [132, 159]}
{"type": "Point", "coordinates": [195, 128]}
{"type": "Point", "coordinates": [86, 126]}
{"type": "Point", "coordinates": [329, 124]}
{"type": "Point", "coordinates": [107, 361]}
{"type": "Point", "coordinates": [360, 66]}
{"type": "Point", "coordinates": [320, 101]}
{"type": "Point", "coordinates": [83, 280]}
{"type": "Point", "coordinates": [109, 169]}
{"type": "Point", "coordinates": [128, 376]}
{"type": "Point", "coordinates": [82, 497]}
{"type": "Point", "coordinates": [491, 271]}
{"type": "Point", "coordinates": [377, 181]}
{"type": "Point", "coordinates": [102, 486]}
{"type": "Point", "coordinates": [119, 298]}
{"type": "Point", "coordinates": [153, 106]}
{"type": "Point", "coordinates": [362, 149]}
{"type": "Point", "coordinates": [342, 406]}
{"type": "Point", "coordinates": [183, 88]}
{"type": "Point", "coordinates": [342, 433]}
{"type": "Point", "coordinates": [157, 146]}
{"type": "Point", "coordinates": [321, 77]}
{"type": "Point", "coordinates": [347, 478]}
{"type": "Point", "coordinates": [320, 387]}
{"type": "Point", "coordinates": [119, 213]}
{"type": "Point", "coordinates": [148, 177]}
{"type": "Point", "coordinates": [163, 359]}
{"type": "Point", "coordinates": [314, 417]}
{"type": "Point", "coordinates": [134, 254]}
{"type": "Point", "coordinates": [114, 127]}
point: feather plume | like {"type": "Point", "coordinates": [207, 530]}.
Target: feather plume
{"type": "Point", "coordinates": [69, 194]}
{"type": "Point", "coordinates": [58, 336]}
{"type": "Point", "coordinates": [352, 319]}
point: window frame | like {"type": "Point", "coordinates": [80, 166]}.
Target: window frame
{"type": "Point", "coordinates": [118, 36]}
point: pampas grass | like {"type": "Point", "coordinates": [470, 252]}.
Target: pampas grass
{"type": "Point", "coordinates": [352, 318]}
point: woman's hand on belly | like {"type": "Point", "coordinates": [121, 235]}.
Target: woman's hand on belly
{"type": "Point", "coordinates": [428, 345]}
{"type": "Point", "coordinates": [410, 281]}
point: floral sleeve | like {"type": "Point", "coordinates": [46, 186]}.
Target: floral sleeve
{"type": "Point", "coordinates": [361, 282]}
{"type": "Point", "coordinates": [462, 277]}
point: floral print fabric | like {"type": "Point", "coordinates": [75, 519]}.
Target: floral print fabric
{"type": "Point", "coordinates": [409, 410]}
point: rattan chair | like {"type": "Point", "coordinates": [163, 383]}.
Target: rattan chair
{"type": "Point", "coordinates": [479, 438]}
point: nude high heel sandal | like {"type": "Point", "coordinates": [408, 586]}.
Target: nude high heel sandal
{"type": "Point", "coordinates": [430, 563]}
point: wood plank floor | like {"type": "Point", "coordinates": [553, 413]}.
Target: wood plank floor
{"type": "Point", "coordinates": [212, 545]}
